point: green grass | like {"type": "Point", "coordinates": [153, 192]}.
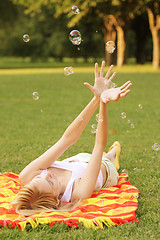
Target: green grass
{"type": "Point", "coordinates": [29, 127]}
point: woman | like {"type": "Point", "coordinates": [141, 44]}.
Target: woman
{"type": "Point", "coordinates": [60, 185]}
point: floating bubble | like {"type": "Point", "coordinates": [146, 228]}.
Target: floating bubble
{"type": "Point", "coordinates": [123, 115]}
{"type": "Point", "coordinates": [132, 125]}
{"type": "Point", "coordinates": [124, 171]}
{"type": "Point", "coordinates": [75, 37]}
{"type": "Point", "coordinates": [129, 121]}
{"type": "Point", "coordinates": [94, 128]}
{"type": "Point", "coordinates": [98, 118]}
{"type": "Point", "coordinates": [26, 38]}
{"type": "Point", "coordinates": [75, 10]}
{"type": "Point", "coordinates": [110, 46]}
{"type": "Point", "coordinates": [78, 49]}
{"type": "Point", "coordinates": [140, 106]}
{"type": "Point", "coordinates": [156, 147]}
{"type": "Point", "coordinates": [35, 95]}
{"type": "Point", "coordinates": [68, 70]}
{"type": "Point", "coordinates": [112, 85]}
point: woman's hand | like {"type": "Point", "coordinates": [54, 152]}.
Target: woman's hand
{"type": "Point", "coordinates": [101, 83]}
{"type": "Point", "coordinates": [113, 94]}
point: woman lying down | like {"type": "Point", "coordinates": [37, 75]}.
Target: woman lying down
{"type": "Point", "coordinates": [52, 185]}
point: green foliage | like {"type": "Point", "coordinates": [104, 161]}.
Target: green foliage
{"type": "Point", "coordinates": [49, 22]}
{"type": "Point", "coordinates": [26, 132]}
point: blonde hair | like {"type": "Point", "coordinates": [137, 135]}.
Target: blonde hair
{"type": "Point", "coordinates": [31, 200]}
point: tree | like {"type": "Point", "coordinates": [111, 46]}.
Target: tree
{"type": "Point", "coordinates": [154, 23]}
{"type": "Point", "coordinates": [116, 15]}
{"type": "Point", "coordinates": [153, 10]}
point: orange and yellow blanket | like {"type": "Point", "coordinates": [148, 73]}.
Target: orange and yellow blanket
{"type": "Point", "coordinates": [110, 206]}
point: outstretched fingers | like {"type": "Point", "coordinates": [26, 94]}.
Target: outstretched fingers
{"type": "Point", "coordinates": [109, 72]}
{"type": "Point", "coordinates": [126, 85]}
{"type": "Point", "coordinates": [102, 69]}
{"type": "Point", "coordinates": [125, 93]}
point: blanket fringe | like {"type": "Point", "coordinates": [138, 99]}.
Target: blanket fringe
{"type": "Point", "coordinates": [97, 223]}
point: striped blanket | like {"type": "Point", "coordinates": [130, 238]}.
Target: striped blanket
{"type": "Point", "coordinates": [108, 207]}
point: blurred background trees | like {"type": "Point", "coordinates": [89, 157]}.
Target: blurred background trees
{"type": "Point", "coordinates": [134, 26]}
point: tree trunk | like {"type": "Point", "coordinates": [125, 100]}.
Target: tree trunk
{"type": "Point", "coordinates": [156, 49]}
{"type": "Point", "coordinates": [154, 27]}
{"type": "Point", "coordinates": [120, 46]}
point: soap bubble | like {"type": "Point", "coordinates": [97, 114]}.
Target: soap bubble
{"type": "Point", "coordinates": [75, 37]}
{"type": "Point", "coordinates": [156, 147]}
{"type": "Point", "coordinates": [129, 121]}
{"type": "Point", "coordinates": [123, 115]}
{"type": "Point", "coordinates": [140, 106]}
{"type": "Point", "coordinates": [94, 128]}
{"type": "Point", "coordinates": [26, 38]}
{"type": "Point", "coordinates": [35, 95]}
{"type": "Point", "coordinates": [110, 46]}
{"type": "Point", "coordinates": [75, 10]}
{"type": "Point", "coordinates": [68, 70]}
{"type": "Point", "coordinates": [132, 125]}
{"type": "Point", "coordinates": [98, 118]}
{"type": "Point", "coordinates": [124, 171]}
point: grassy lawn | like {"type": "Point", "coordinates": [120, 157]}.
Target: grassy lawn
{"type": "Point", "coordinates": [29, 127]}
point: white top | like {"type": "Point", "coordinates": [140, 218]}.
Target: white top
{"type": "Point", "coordinates": [77, 165]}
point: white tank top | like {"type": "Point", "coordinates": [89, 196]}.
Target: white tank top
{"type": "Point", "coordinates": [77, 165]}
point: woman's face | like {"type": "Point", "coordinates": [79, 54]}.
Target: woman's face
{"type": "Point", "coordinates": [47, 183]}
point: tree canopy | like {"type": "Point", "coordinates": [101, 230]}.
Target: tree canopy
{"type": "Point", "coordinates": [50, 21]}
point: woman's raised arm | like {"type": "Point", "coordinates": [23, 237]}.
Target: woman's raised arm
{"type": "Point", "coordinates": [87, 183]}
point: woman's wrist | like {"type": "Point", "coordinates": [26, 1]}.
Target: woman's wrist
{"type": "Point", "coordinates": [97, 99]}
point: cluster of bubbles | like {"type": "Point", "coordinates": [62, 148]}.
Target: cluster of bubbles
{"type": "Point", "coordinates": [123, 116]}
{"type": "Point", "coordinates": [35, 95]}
{"type": "Point", "coordinates": [75, 38]}
{"type": "Point", "coordinates": [75, 10]}
{"type": "Point", "coordinates": [94, 127]}
{"type": "Point", "coordinates": [68, 70]}
{"type": "Point", "coordinates": [26, 38]}
{"type": "Point", "coordinates": [110, 46]}
{"type": "Point", "coordinates": [156, 147]}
